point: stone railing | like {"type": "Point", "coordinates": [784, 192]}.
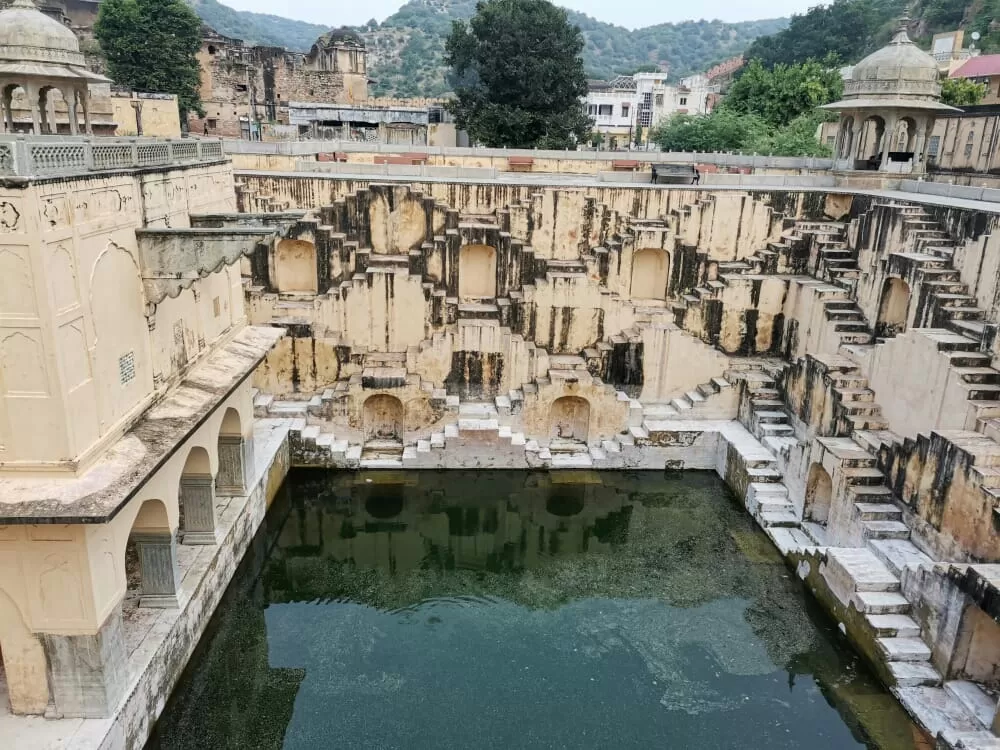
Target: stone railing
{"type": "Point", "coordinates": [307, 149]}
{"type": "Point", "coordinates": [44, 156]}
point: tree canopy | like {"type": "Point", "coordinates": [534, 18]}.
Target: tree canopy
{"type": "Point", "coordinates": [518, 76]}
{"type": "Point", "coordinates": [961, 92]}
{"type": "Point", "coordinates": [785, 92]}
{"type": "Point", "coordinates": [847, 30]}
{"type": "Point", "coordinates": [151, 45]}
{"type": "Point", "coordinates": [766, 112]}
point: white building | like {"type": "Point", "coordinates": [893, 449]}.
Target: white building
{"type": "Point", "coordinates": [641, 101]}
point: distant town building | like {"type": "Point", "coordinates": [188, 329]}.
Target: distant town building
{"type": "Point", "coordinates": [984, 69]}
{"type": "Point", "coordinates": [627, 107]}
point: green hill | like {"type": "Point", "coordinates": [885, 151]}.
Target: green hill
{"type": "Point", "coordinates": [407, 49]}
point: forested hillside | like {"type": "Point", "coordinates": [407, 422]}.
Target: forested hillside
{"type": "Point", "coordinates": [407, 49]}
{"type": "Point", "coordinates": [850, 29]}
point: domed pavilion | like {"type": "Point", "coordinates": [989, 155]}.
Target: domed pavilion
{"type": "Point", "coordinates": [890, 103]}
{"type": "Point", "coordinates": [39, 55]}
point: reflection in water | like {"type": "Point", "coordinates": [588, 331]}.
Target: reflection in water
{"type": "Point", "coordinates": [510, 609]}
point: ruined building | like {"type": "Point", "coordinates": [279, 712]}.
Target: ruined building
{"type": "Point", "coordinates": [242, 85]}
{"type": "Point", "coordinates": [830, 351]}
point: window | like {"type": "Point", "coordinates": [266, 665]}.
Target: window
{"type": "Point", "coordinates": [126, 368]}
{"type": "Point", "coordinates": [212, 123]}
{"type": "Point", "coordinates": [240, 87]}
{"type": "Point", "coordinates": [605, 110]}
{"type": "Point", "coordinates": [211, 49]}
{"type": "Point", "coordinates": [659, 100]}
{"type": "Point", "coordinates": [968, 143]}
{"type": "Point", "coordinates": [684, 100]}
{"type": "Point", "coordinates": [830, 140]}
{"type": "Point", "coordinates": [625, 110]}
{"type": "Point", "coordinates": [217, 306]}
{"type": "Point", "coordinates": [934, 146]}
{"type": "Point", "coordinates": [592, 109]}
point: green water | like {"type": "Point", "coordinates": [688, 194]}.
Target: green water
{"type": "Point", "coordinates": [521, 610]}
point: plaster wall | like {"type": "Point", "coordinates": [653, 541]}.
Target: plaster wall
{"type": "Point", "coordinates": [78, 363]}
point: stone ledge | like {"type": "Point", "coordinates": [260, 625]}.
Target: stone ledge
{"type": "Point", "coordinates": [98, 495]}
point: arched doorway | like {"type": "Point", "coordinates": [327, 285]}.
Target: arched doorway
{"type": "Point", "coordinates": [893, 308]}
{"type": "Point", "coordinates": [845, 137]}
{"type": "Point", "coordinates": [819, 494]}
{"type": "Point", "coordinates": [382, 419]}
{"type": "Point", "coordinates": [871, 146]}
{"type": "Point", "coordinates": [569, 419]}
{"type": "Point", "coordinates": [197, 499]}
{"type": "Point", "coordinates": [650, 272]}
{"type": "Point", "coordinates": [152, 578]}
{"type": "Point", "coordinates": [295, 267]}
{"type": "Point", "coordinates": [477, 272]}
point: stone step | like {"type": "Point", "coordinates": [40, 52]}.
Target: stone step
{"type": "Point", "coordinates": [477, 410]}
{"type": "Point", "coordinates": [976, 701]}
{"type": "Point", "coordinates": [860, 570]}
{"type": "Point", "coordinates": [770, 417]}
{"type": "Point", "coordinates": [903, 649]}
{"type": "Point", "coordinates": [881, 602]}
{"type": "Point", "coordinates": [863, 476]}
{"type": "Point", "coordinates": [885, 530]}
{"type": "Point", "coordinates": [938, 710]}
{"type": "Point", "coordinates": [897, 553]}
{"type": "Point", "coordinates": [611, 446]}
{"type": "Point", "coordinates": [914, 674]}
{"type": "Point", "coordinates": [571, 460]}
{"type": "Point", "coordinates": [878, 511]}
{"type": "Point", "coordinates": [893, 626]}
{"type": "Point", "coordinates": [780, 518]}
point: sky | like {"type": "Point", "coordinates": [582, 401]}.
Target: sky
{"type": "Point", "coordinates": [629, 13]}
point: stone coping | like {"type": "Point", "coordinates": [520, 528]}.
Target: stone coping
{"type": "Point", "coordinates": [160, 641]}
{"type": "Point", "coordinates": [537, 179]}
{"type": "Point", "coordinates": [98, 495]}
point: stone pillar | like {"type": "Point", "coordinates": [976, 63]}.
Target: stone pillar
{"type": "Point", "coordinates": [88, 673]}
{"type": "Point", "coordinates": [36, 117]}
{"type": "Point", "coordinates": [158, 569]}
{"type": "Point", "coordinates": [8, 111]}
{"type": "Point", "coordinates": [86, 114]}
{"type": "Point", "coordinates": [197, 495]}
{"type": "Point", "coordinates": [232, 477]}
{"type": "Point", "coordinates": [70, 97]}
{"type": "Point", "coordinates": [888, 142]}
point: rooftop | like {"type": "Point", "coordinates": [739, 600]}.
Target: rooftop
{"type": "Point", "coordinates": [978, 67]}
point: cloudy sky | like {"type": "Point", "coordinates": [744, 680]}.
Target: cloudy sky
{"type": "Point", "coordinates": [630, 13]}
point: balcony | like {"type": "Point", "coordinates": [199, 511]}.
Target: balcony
{"type": "Point", "coordinates": [53, 156]}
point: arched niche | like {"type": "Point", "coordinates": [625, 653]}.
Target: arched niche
{"type": "Point", "coordinates": [477, 272]}
{"type": "Point", "coordinates": [152, 577]}
{"type": "Point", "coordinates": [569, 419]}
{"type": "Point", "coordinates": [650, 274]}
{"type": "Point", "coordinates": [383, 418]}
{"type": "Point", "coordinates": [893, 308]}
{"type": "Point", "coordinates": [119, 313]}
{"type": "Point", "coordinates": [819, 494]}
{"type": "Point", "coordinates": [295, 267]}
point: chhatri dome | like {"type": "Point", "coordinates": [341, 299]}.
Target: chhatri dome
{"type": "Point", "coordinates": [39, 54]}
{"type": "Point", "coordinates": [896, 91]}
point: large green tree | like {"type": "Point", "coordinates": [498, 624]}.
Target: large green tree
{"type": "Point", "coordinates": [785, 92]}
{"type": "Point", "coordinates": [518, 76]}
{"type": "Point", "coordinates": [151, 45]}
{"type": "Point", "coordinates": [962, 92]}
